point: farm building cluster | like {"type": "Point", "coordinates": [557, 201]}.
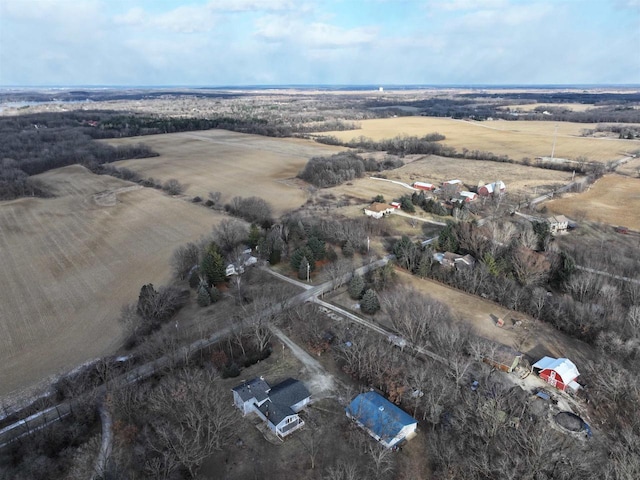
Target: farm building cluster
{"type": "Point", "coordinates": [451, 190]}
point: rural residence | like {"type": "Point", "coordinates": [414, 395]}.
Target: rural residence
{"type": "Point", "coordinates": [558, 224]}
{"type": "Point", "coordinates": [383, 420]}
{"type": "Point", "coordinates": [424, 186]}
{"type": "Point", "coordinates": [378, 210]}
{"type": "Point", "coordinates": [455, 260]}
{"type": "Point", "coordinates": [490, 188]}
{"type": "Point", "coordinates": [245, 260]}
{"type": "Point", "coordinates": [278, 406]}
{"type": "Point", "coordinates": [559, 372]}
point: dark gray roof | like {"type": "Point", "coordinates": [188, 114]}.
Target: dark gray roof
{"type": "Point", "coordinates": [256, 388]}
{"type": "Point", "coordinates": [275, 412]}
{"type": "Point", "coordinates": [289, 392]}
{"type": "Point", "coordinates": [281, 398]}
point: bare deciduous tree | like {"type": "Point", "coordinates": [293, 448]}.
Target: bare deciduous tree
{"type": "Point", "coordinates": [194, 417]}
{"type": "Point", "coordinates": [229, 233]}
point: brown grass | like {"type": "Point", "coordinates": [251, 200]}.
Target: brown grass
{"type": "Point", "coordinates": [517, 139]}
{"type": "Point", "coordinates": [613, 200]}
{"type": "Point", "coordinates": [231, 163]}
{"type": "Point", "coordinates": [70, 263]}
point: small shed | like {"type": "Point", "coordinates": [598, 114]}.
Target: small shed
{"type": "Point", "coordinates": [384, 421]}
{"type": "Point", "coordinates": [558, 372]}
{"type": "Point", "coordinates": [503, 358]}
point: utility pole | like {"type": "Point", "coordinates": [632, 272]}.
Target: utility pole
{"type": "Point", "coordinates": [553, 148]}
{"type": "Point", "coordinates": [308, 268]}
{"type": "Point", "coordinates": [368, 243]}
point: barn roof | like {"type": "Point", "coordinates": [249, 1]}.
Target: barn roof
{"type": "Point", "coordinates": [379, 415]}
{"type": "Point", "coordinates": [562, 366]}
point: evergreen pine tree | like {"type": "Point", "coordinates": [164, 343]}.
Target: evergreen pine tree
{"type": "Point", "coordinates": [254, 236]}
{"type": "Point", "coordinates": [299, 254]}
{"type": "Point", "coordinates": [204, 297]}
{"type": "Point", "coordinates": [356, 286]}
{"type": "Point", "coordinates": [369, 303]}
{"type": "Point", "coordinates": [213, 266]}
{"type": "Point", "coordinates": [317, 247]}
{"type": "Point", "coordinates": [348, 250]}
{"type": "Point", "coordinates": [194, 279]}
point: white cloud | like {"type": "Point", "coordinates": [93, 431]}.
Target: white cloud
{"type": "Point", "coordinates": [295, 30]}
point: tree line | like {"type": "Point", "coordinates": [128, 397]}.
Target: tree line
{"type": "Point", "coordinates": [342, 167]}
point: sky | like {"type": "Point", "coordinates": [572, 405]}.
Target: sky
{"type": "Point", "coordinates": [311, 42]}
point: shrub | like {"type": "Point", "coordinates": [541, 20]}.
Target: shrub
{"type": "Point", "coordinates": [230, 371]}
{"type": "Point", "coordinates": [173, 187]}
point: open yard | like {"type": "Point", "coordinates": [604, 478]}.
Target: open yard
{"type": "Point", "coordinates": [69, 263]}
{"type": "Point", "coordinates": [231, 163]}
{"type": "Point", "coordinates": [519, 179]}
{"type": "Point", "coordinates": [517, 139]}
{"type": "Point", "coordinates": [613, 199]}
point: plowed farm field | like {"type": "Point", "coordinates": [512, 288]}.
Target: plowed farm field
{"type": "Point", "coordinates": [613, 200]}
{"type": "Point", "coordinates": [235, 164]}
{"type": "Point", "coordinates": [517, 139]}
{"type": "Point", "coordinates": [69, 263]}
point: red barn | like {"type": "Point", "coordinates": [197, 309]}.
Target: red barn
{"type": "Point", "coordinates": [489, 188]}
{"type": "Point", "coordinates": [559, 372]}
{"type": "Point", "coordinates": [424, 186]}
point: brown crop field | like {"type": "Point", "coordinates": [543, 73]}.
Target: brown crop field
{"type": "Point", "coordinates": [69, 263]}
{"type": "Point", "coordinates": [231, 163]}
{"type": "Point", "coordinates": [519, 179]}
{"type": "Point", "coordinates": [613, 200]}
{"type": "Point", "coordinates": [517, 139]}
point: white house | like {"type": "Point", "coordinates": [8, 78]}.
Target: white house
{"type": "Point", "coordinates": [378, 210]}
{"type": "Point", "coordinates": [558, 224]}
{"type": "Point", "coordinates": [278, 406]}
{"type": "Point", "coordinates": [250, 394]}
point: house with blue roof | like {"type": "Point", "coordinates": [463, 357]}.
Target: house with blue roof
{"type": "Point", "coordinates": [384, 421]}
